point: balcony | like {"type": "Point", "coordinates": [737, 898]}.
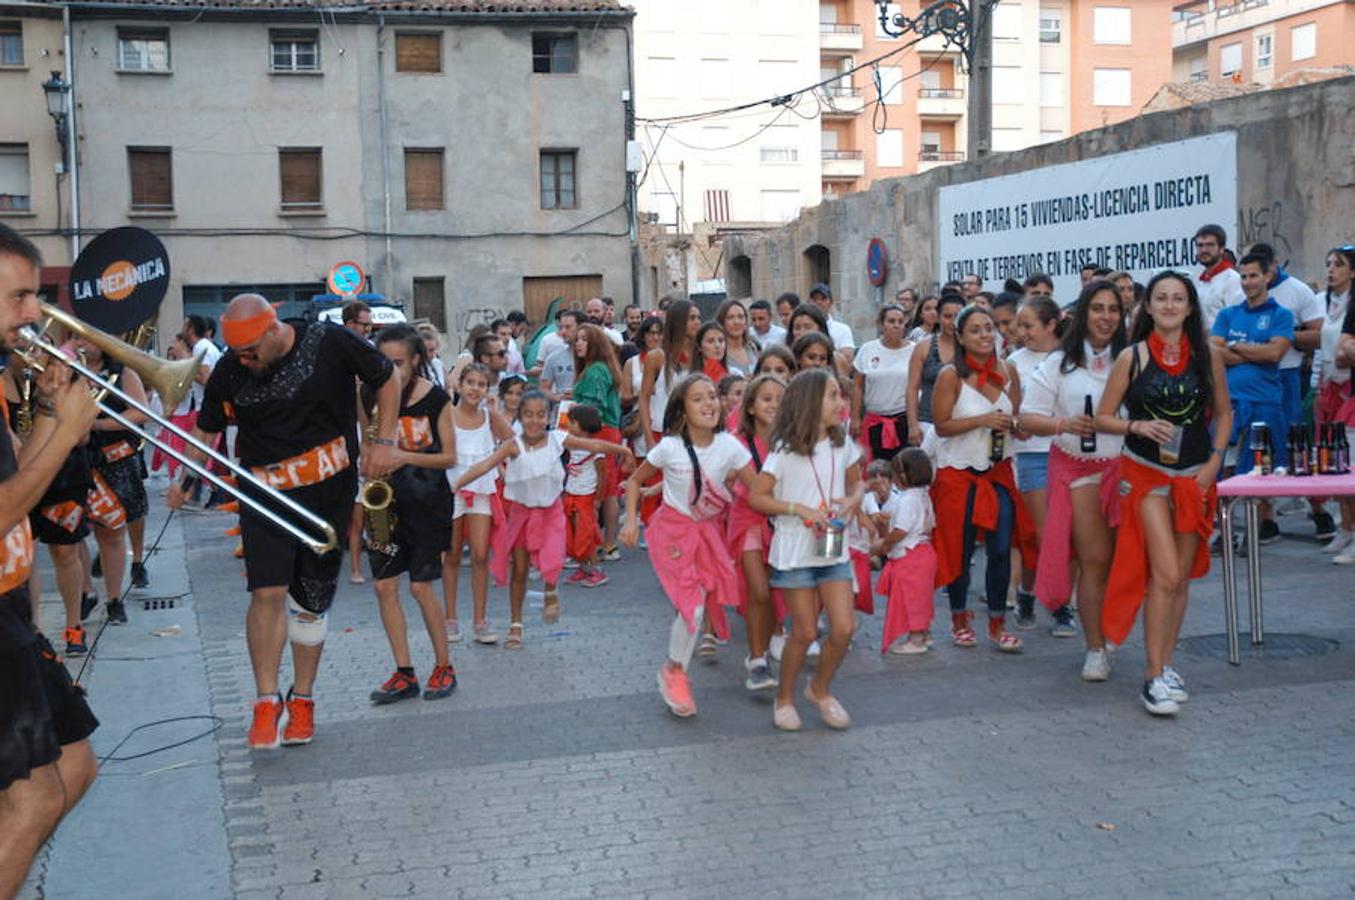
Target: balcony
{"type": "Point", "coordinates": [836, 37]}
{"type": "Point", "coordinates": [843, 165]}
{"type": "Point", "coordinates": [941, 103]}
{"type": "Point", "coordinates": [841, 102]}
{"type": "Point", "coordinates": [1193, 27]}
{"type": "Point", "coordinates": [929, 159]}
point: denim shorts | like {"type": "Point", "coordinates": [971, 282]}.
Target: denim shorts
{"type": "Point", "coordinates": [810, 576]}
{"type": "Point", "coordinates": [1032, 471]}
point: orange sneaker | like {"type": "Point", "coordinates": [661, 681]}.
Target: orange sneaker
{"type": "Point", "coordinates": [676, 691]}
{"type": "Point", "coordinates": [270, 717]}
{"type": "Point", "coordinates": [300, 721]}
{"type": "Point", "coordinates": [75, 641]}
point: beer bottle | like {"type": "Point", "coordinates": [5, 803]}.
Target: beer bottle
{"type": "Point", "coordinates": [1342, 450]}
{"type": "Point", "coordinates": [1311, 445]}
{"type": "Point", "coordinates": [1291, 448]}
{"type": "Point", "coordinates": [1088, 440]}
{"type": "Point", "coordinates": [1298, 456]}
{"type": "Point", "coordinates": [1324, 466]}
{"type": "Point", "coordinates": [997, 445]}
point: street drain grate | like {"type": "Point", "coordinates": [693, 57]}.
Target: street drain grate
{"type": "Point", "coordinates": [157, 603]}
{"type": "Point", "coordinates": [1277, 646]}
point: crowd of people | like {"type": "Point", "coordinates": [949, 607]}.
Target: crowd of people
{"type": "Point", "coordinates": [767, 463]}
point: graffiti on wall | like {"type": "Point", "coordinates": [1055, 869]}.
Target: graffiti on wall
{"type": "Point", "coordinates": [467, 319]}
{"type": "Point", "coordinates": [1264, 225]}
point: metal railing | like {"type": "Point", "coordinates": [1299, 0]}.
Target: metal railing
{"type": "Point", "coordinates": [838, 90]}
{"type": "Point", "coordinates": [838, 28]}
{"type": "Point", "coordinates": [941, 156]}
{"type": "Point", "coordinates": [829, 155]}
{"type": "Point", "coordinates": [929, 93]}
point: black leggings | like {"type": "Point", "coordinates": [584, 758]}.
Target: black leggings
{"type": "Point", "coordinates": [998, 545]}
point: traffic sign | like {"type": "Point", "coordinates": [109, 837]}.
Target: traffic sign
{"type": "Point", "coordinates": [346, 278]}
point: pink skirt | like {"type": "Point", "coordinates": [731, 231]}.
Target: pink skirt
{"type": "Point", "coordinates": [861, 569]}
{"type": "Point", "coordinates": [540, 530]}
{"type": "Point", "coordinates": [692, 563]}
{"type": "Point", "coordinates": [1053, 584]}
{"type": "Point", "coordinates": [742, 524]}
{"type": "Point", "coordinates": [909, 583]}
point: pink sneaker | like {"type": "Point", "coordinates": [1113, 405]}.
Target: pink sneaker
{"type": "Point", "coordinates": [596, 578]}
{"type": "Point", "coordinates": [580, 577]}
{"type": "Point", "coordinates": [676, 691]}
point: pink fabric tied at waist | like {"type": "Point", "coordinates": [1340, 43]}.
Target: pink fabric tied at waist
{"type": "Point", "coordinates": [909, 583]}
{"type": "Point", "coordinates": [691, 561]}
{"type": "Point", "coordinates": [1053, 585]}
{"type": "Point", "coordinates": [538, 529]}
{"type": "Point", "coordinates": [889, 433]}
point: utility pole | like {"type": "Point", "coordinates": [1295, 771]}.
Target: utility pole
{"type": "Point", "coordinates": [980, 80]}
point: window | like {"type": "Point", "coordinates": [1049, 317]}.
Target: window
{"type": "Point", "coordinates": [299, 177]}
{"type": "Point", "coordinates": [780, 206]}
{"type": "Point", "coordinates": [143, 49]}
{"type": "Point", "coordinates": [661, 73]}
{"type": "Point", "coordinates": [828, 140]}
{"type": "Point", "coordinates": [11, 44]}
{"type": "Point", "coordinates": [714, 16]}
{"type": "Point", "coordinates": [894, 10]}
{"type": "Point", "coordinates": [1008, 85]}
{"type": "Point", "coordinates": [14, 181]}
{"type": "Point", "coordinates": [1230, 59]}
{"type": "Point", "coordinates": [430, 301]}
{"type": "Point", "coordinates": [555, 54]}
{"type": "Point", "coordinates": [1051, 26]}
{"type": "Point", "coordinates": [714, 79]}
{"type": "Point", "coordinates": [717, 205]}
{"type": "Point", "coordinates": [1265, 47]}
{"type": "Point", "coordinates": [295, 51]}
{"type": "Point", "coordinates": [889, 148]}
{"type": "Point", "coordinates": [423, 179]}
{"type": "Point", "coordinates": [418, 52]}
{"type": "Point", "coordinates": [1111, 87]}
{"type": "Point", "coordinates": [1006, 140]}
{"type": "Point", "coordinates": [1051, 89]}
{"type": "Point", "coordinates": [557, 179]}
{"type": "Point", "coordinates": [1110, 25]}
{"type": "Point", "coordinates": [1303, 41]}
{"type": "Point", "coordinates": [1048, 137]}
{"type": "Point", "coordinates": [1199, 69]}
{"type": "Point", "coordinates": [664, 206]}
{"type": "Point", "coordinates": [891, 82]}
{"type": "Point", "coordinates": [152, 179]}
{"type": "Point", "coordinates": [1007, 23]}
{"type": "Point", "coordinates": [779, 154]}
{"type": "Point", "coordinates": [931, 145]}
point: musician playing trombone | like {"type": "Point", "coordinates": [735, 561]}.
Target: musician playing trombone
{"type": "Point", "coordinates": [288, 386]}
{"type": "Point", "coordinates": [46, 764]}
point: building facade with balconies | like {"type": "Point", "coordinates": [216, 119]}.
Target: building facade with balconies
{"type": "Point", "coordinates": [1260, 41]}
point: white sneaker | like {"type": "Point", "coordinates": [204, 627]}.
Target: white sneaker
{"type": "Point", "coordinates": [1345, 557]}
{"type": "Point", "coordinates": [813, 651]}
{"type": "Point", "coordinates": [1176, 685]}
{"type": "Point", "coordinates": [1097, 666]}
{"type": "Point", "coordinates": [1343, 540]}
{"type": "Point", "coordinates": [1156, 700]}
{"type": "Point", "coordinates": [778, 643]}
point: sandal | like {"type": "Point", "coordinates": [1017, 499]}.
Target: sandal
{"type": "Point", "coordinates": [514, 641]}
{"type": "Point", "coordinates": [1005, 642]}
{"type": "Point", "coordinates": [709, 645]}
{"type": "Point", "coordinates": [550, 612]}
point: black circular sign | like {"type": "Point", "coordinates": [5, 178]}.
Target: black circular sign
{"type": "Point", "coordinates": [119, 279]}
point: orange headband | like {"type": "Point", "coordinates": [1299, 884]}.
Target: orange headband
{"type": "Point", "coordinates": [243, 332]}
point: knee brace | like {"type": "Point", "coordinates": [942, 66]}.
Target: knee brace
{"type": "Point", "coordinates": [305, 627]}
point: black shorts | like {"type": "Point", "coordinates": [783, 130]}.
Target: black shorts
{"type": "Point", "coordinates": [423, 526]}
{"type": "Point", "coordinates": [60, 523]}
{"type": "Point", "coordinates": [273, 558]}
{"type": "Point", "coordinates": [126, 482]}
{"type": "Point", "coordinates": [41, 711]}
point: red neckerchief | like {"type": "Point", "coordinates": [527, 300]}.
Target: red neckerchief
{"type": "Point", "coordinates": [1223, 265]}
{"type": "Point", "coordinates": [986, 372]}
{"type": "Point", "coordinates": [1158, 348]}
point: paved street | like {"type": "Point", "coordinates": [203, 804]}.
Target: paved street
{"type": "Point", "coordinates": [556, 772]}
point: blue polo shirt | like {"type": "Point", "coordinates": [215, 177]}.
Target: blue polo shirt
{"type": "Point", "coordinates": [1254, 382]}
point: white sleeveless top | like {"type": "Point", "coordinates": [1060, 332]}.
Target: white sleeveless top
{"type": "Point", "coordinates": [1026, 361]}
{"type": "Point", "coordinates": [659, 401]}
{"type": "Point", "coordinates": [536, 476]}
{"type": "Point", "coordinates": [970, 450]}
{"type": "Point", "coordinates": [473, 445]}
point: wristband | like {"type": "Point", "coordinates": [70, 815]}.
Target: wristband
{"type": "Point", "coordinates": [381, 442]}
{"type": "Point", "coordinates": [44, 407]}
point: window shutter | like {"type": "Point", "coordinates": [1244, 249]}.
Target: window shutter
{"type": "Point", "coordinates": [299, 176]}
{"type": "Point", "coordinates": [152, 182]}
{"type": "Point", "coordinates": [423, 179]}
{"type": "Point", "coordinates": [418, 53]}
{"type": "Point", "coordinates": [429, 296]}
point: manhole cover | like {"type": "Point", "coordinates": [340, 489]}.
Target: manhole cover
{"type": "Point", "coordinates": [1276, 646]}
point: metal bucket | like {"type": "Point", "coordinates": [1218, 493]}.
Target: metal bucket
{"type": "Point", "coordinates": [829, 542]}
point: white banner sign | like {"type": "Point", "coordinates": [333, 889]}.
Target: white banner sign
{"type": "Point", "coordinates": [1136, 211]}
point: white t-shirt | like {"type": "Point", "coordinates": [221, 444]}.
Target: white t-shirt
{"type": "Point", "coordinates": [535, 475]}
{"type": "Point", "coordinates": [911, 513]}
{"type": "Point", "coordinates": [775, 335]}
{"type": "Point", "coordinates": [582, 480]}
{"type": "Point", "coordinates": [858, 537]}
{"type": "Point", "coordinates": [613, 335]}
{"type": "Point", "coordinates": [814, 482]}
{"type": "Point", "coordinates": [1331, 337]}
{"type": "Point", "coordinates": [840, 333]}
{"type": "Point", "coordinates": [210, 356]}
{"type": "Point", "coordinates": [1300, 300]}
{"type": "Point", "coordinates": [1221, 290]}
{"type": "Point", "coordinates": [886, 373]}
{"type": "Point", "coordinates": [1051, 392]}
{"type": "Point", "coordinates": [551, 343]}
{"type": "Point", "coordinates": [1026, 362]}
{"type": "Point", "coordinates": [724, 455]}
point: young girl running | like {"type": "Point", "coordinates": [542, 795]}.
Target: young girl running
{"type": "Point", "coordinates": [585, 479]}
{"type": "Point", "coordinates": [909, 578]}
{"type": "Point", "coordinates": [686, 543]}
{"type": "Point", "coordinates": [533, 525]}
{"type": "Point", "coordinates": [811, 482]}
{"type": "Point", "coordinates": [423, 504]}
{"type": "Point", "coordinates": [478, 430]}
{"type": "Point", "coordinates": [748, 533]}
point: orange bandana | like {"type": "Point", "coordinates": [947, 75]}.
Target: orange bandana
{"type": "Point", "coordinates": [243, 332]}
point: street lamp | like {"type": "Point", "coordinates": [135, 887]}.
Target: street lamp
{"type": "Point", "coordinates": [58, 93]}
{"type": "Point", "coordinates": [950, 18]}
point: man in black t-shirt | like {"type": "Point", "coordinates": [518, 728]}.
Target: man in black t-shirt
{"type": "Point", "coordinates": [288, 386]}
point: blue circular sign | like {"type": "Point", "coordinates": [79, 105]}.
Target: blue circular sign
{"type": "Point", "coordinates": [346, 278]}
{"type": "Point", "coordinates": [877, 262]}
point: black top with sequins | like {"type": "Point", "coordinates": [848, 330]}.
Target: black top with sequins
{"type": "Point", "coordinates": [1179, 399]}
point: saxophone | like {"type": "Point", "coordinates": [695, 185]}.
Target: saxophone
{"type": "Point", "coordinates": [23, 419]}
{"type": "Point", "coordinates": [378, 504]}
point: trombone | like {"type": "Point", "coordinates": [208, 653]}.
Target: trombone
{"type": "Point", "coordinates": [171, 380]}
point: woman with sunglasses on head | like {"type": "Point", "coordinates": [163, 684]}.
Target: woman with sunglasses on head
{"type": "Point", "coordinates": [1176, 431]}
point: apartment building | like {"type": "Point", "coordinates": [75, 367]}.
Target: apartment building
{"type": "Point", "coordinates": [1259, 41]}
{"type": "Point", "coordinates": [471, 158]}
{"type": "Point", "coordinates": [751, 167]}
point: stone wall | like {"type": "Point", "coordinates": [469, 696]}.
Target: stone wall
{"type": "Point", "coordinates": [1296, 191]}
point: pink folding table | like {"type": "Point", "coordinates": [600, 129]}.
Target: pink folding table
{"type": "Point", "coordinates": [1252, 489]}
